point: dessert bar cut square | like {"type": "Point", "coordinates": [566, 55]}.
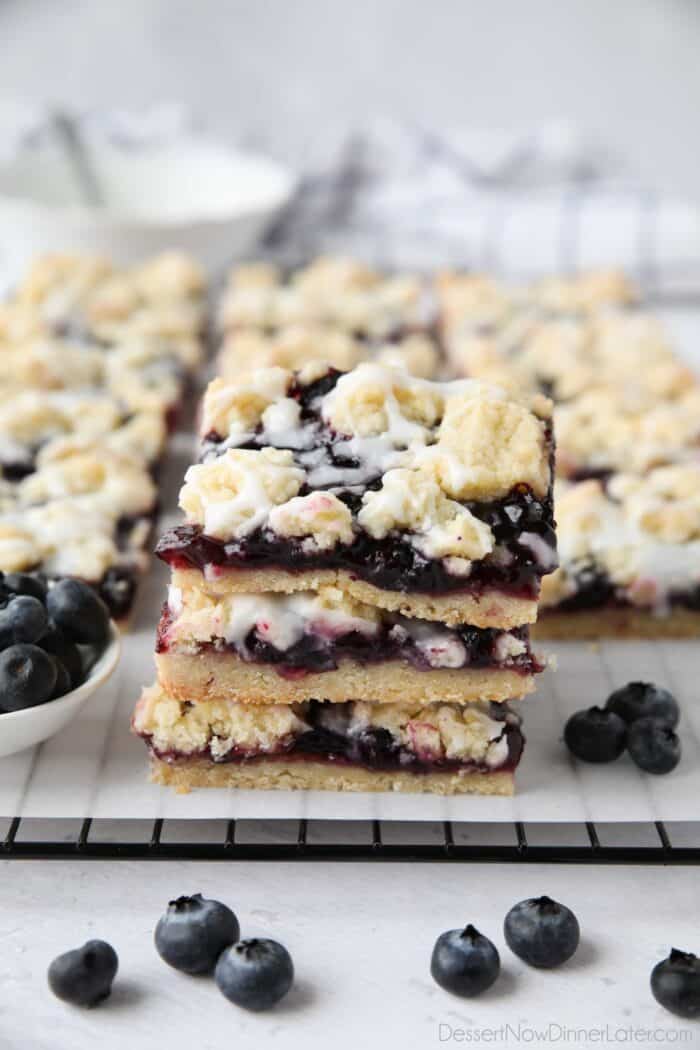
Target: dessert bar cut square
{"type": "Point", "coordinates": [342, 295]}
{"type": "Point", "coordinates": [95, 366]}
{"type": "Point", "coordinates": [297, 345]}
{"type": "Point", "coordinates": [630, 556]}
{"type": "Point", "coordinates": [424, 498]}
{"type": "Point", "coordinates": [354, 746]}
{"type": "Point", "coordinates": [288, 648]}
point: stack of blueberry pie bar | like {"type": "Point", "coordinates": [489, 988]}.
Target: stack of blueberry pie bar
{"type": "Point", "coordinates": [359, 563]}
{"type": "Point", "coordinates": [94, 368]}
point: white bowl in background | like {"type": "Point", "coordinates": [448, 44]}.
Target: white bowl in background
{"type": "Point", "coordinates": [191, 194]}
{"type": "Point", "coordinates": [22, 729]}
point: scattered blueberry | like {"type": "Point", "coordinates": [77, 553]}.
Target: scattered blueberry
{"type": "Point", "coordinates": [27, 677]}
{"type": "Point", "coordinates": [642, 700]}
{"type": "Point", "coordinates": [541, 932]}
{"type": "Point", "coordinates": [78, 611]}
{"type": "Point", "coordinates": [255, 974]}
{"type": "Point", "coordinates": [464, 962]}
{"type": "Point", "coordinates": [193, 933]}
{"type": "Point", "coordinates": [675, 984]}
{"type": "Point", "coordinates": [68, 654]}
{"type": "Point", "coordinates": [84, 976]}
{"type": "Point", "coordinates": [24, 583]}
{"type": "Point", "coordinates": [653, 745]}
{"type": "Point", "coordinates": [22, 619]}
{"type": "Point", "coordinates": [596, 735]}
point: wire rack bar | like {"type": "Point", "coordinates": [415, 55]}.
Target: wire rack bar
{"type": "Point", "coordinates": [84, 845]}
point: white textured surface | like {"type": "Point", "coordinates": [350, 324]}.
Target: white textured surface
{"type": "Point", "coordinates": [297, 73]}
{"type": "Point", "coordinates": [360, 936]}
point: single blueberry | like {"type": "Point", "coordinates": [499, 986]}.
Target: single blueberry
{"type": "Point", "coordinates": [541, 932]}
{"type": "Point", "coordinates": [55, 642]}
{"type": "Point", "coordinates": [595, 735]}
{"type": "Point", "coordinates": [675, 984]}
{"type": "Point", "coordinates": [22, 619]}
{"type": "Point", "coordinates": [464, 962]}
{"type": "Point", "coordinates": [644, 699]}
{"type": "Point", "coordinates": [193, 933]}
{"type": "Point", "coordinates": [653, 745]}
{"type": "Point", "coordinates": [79, 612]}
{"type": "Point", "coordinates": [27, 677]}
{"type": "Point", "coordinates": [255, 974]}
{"type": "Point", "coordinates": [63, 680]}
{"type": "Point", "coordinates": [25, 583]}
{"type": "Point", "coordinates": [84, 976]}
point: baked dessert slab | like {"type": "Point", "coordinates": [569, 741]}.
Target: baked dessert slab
{"type": "Point", "coordinates": [338, 294]}
{"type": "Point", "coordinates": [630, 556]}
{"type": "Point", "coordinates": [95, 365]}
{"type": "Point", "coordinates": [446, 748]}
{"type": "Point", "coordinates": [406, 490]}
{"type": "Point", "coordinates": [297, 345]}
{"type": "Point", "coordinates": [262, 648]}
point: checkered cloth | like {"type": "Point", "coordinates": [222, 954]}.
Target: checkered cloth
{"type": "Point", "coordinates": [519, 206]}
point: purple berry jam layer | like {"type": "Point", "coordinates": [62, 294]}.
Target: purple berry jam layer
{"type": "Point", "coordinates": [420, 739]}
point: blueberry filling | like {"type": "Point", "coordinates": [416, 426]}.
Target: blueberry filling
{"type": "Point", "coordinates": [522, 524]}
{"type": "Point", "coordinates": [392, 563]}
{"type": "Point", "coordinates": [314, 652]}
{"type": "Point", "coordinates": [593, 589]}
{"type": "Point", "coordinates": [373, 748]}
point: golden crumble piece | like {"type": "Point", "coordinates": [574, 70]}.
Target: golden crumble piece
{"type": "Point", "coordinates": [237, 407]}
{"type": "Point", "coordinates": [233, 495]}
{"type": "Point", "coordinates": [18, 550]}
{"type": "Point", "coordinates": [320, 516]}
{"type": "Point", "coordinates": [375, 400]}
{"type": "Point", "coordinates": [75, 274]}
{"type": "Point", "coordinates": [487, 447]}
{"type": "Point", "coordinates": [665, 503]}
{"type": "Point", "coordinates": [170, 275]}
{"type": "Point", "coordinates": [412, 501]}
{"type": "Point", "coordinates": [585, 292]}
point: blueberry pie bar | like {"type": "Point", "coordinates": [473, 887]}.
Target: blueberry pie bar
{"type": "Point", "coordinates": [295, 647]}
{"type": "Point", "coordinates": [361, 554]}
{"type": "Point", "coordinates": [334, 293]}
{"type": "Point", "coordinates": [353, 746]}
{"type": "Point", "coordinates": [629, 557]}
{"type": "Point", "coordinates": [95, 367]}
{"type": "Point", "coordinates": [335, 311]}
{"type": "Point", "coordinates": [428, 499]}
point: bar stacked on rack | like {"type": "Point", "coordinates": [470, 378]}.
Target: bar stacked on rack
{"type": "Point", "coordinates": [94, 367]}
{"type": "Point", "coordinates": [627, 419]}
{"type": "Point", "coordinates": [352, 587]}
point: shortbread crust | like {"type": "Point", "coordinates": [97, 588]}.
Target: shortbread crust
{"type": "Point", "coordinates": [224, 676]}
{"type": "Point", "coordinates": [493, 608]}
{"type": "Point", "coordinates": [263, 775]}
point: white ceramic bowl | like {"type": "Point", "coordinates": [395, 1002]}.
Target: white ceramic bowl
{"type": "Point", "coordinates": [192, 195]}
{"type": "Point", "coordinates": [22, 729]}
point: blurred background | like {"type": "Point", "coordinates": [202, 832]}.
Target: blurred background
{"type": "Point", "coordinates": [289, 74]}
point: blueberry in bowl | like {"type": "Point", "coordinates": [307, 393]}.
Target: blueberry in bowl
{"type": "Point", "coordinates": [56, 649]}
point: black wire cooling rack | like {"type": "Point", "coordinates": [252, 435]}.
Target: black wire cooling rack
{"type": "Point", "coordinates": [659, 843]}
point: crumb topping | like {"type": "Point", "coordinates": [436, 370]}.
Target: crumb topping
{"type": "Point", "coordinates": [418, 447]}
{"type": "Point", "coordinates": [431, 731]}
{"type": "Point", "coordinates": [234, 494]}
